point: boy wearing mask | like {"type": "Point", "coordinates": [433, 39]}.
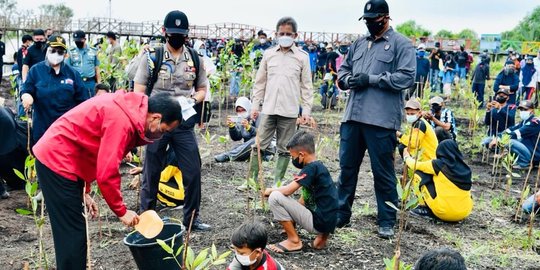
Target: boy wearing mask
{"type": "Point", "coordinates": [421, 136]}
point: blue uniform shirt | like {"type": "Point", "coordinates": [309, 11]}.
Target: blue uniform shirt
{"type": "Point", "coordinates": [84, 60]}
{"type": "Point", "coordinates": [498, 120]}
{"type": "Point", "coordinates": [54, 94]}
{"type": "Point", "coordinates": [527, 133]}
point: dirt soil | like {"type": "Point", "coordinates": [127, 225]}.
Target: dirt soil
{"type": "Point", "coordinates": [488, 239]}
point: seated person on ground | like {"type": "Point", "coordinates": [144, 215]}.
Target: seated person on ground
{"type": "Point", "coordinates": [441, 119]}
{"type": "Point", "coordinates": [444, 183]}
{"type": "Point", "coordinates": [316, 210]}
{"type": "Point", "coordinates": [13, 150]}
{"type": "Point", "coordinates": [249, 244]}
{"type": "Point", "coordinates": [499, 115]}
{"type": "Point", "coordinates": [241, 127]}
{"type": "Point", "coordinates": [441, 259]}
{"type": "Point", "coordinates": [423, 137]}
{"type": "Point", "coordinates": [523, 136]}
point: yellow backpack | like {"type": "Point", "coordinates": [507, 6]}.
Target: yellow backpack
{"type": "Point", "coordinates": [171, 189]}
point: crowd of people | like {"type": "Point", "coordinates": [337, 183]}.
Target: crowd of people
{"type": "Point", "coordinates": [83, 128]}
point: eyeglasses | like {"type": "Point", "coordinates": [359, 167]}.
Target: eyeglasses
{"type": "Point", "coordinates": [58, 51]}
{"type": "Point", "coordinates": [285, 34]}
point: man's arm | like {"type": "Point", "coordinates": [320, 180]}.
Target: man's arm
{"type": "Point", "coordinates": [81, 93]}
{"type": "Point", "coordinates": [201, 87]}
{"type": "Point", "coordinates": [306, 86]}
{"type": "Point", "coordinates": [515, 83]}
{"type": "Point", "coordinates": [497, 82]}
{"type": "Point", "coordinates": [345, 71]}
{"type": "Point", "coordinates": [405, 73]}
{"type": "Point", "coordinates": [259, 87]}
{"type": "Point", "coordinates": [141, 76]}
{"type": "Point", "coordinates": [98, 75]}
{"type": "Point", "coordinates": [25, 69]}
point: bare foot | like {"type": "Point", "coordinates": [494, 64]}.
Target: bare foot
{"type": "Point", "coordinates": [320, 241]}
{"type": "Point", "coordinates": [286, 247]}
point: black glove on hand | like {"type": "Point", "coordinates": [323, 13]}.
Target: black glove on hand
{"type": "Point", "coordinates": [358, 81]}
{"type": "Point", "coordinates": [343, 82]}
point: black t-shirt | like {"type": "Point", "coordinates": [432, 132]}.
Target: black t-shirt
{"type": "Point", "coordinates": [462, 58]}
{"type": "Point", "coordinates": [434, 60]}
{"type": "Point", "coordinates": [320, 195]}
{"type": "Point", "coordinates": [35, 55]}
{"type": "Point", "coordinates": [331, 61]}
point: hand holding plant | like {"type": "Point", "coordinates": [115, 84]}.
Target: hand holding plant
{"type": "Point", "coordinates": [91, 206]}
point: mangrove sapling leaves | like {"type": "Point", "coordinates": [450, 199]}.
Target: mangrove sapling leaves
{"type": "Point", "coordinates": [164, 246]}
{"type": "Point", "coordinates": [34, 204]}
{"type": "Point", "coordinates": [399, 190]}
{"type": "Point", "coordinates": [24, 212]}
{"type": "Point", "coordinates": [19, 174]}
{"type": "Point", "coordinates": [515, 174]}
{"type": "Point", "coordinates": [222, 257]}
{"type": "Point", "coordinates": [200, 258]}
{"type": "Point", "coordinates": [391, 205]}
{"type": "Point", "coordinates": [214, 251]}
{"type": "Point", "coordinates": [412, 203]}
{"type": "Point", "coordinates": [223, 139]}
{"type": "Point", "coordinates": [178, 251]}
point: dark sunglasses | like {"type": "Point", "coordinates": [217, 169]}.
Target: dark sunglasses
{"type": "Point", "coordinates": [58, 51]}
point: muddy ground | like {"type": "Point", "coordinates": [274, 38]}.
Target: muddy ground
{"type": "Point", "coordinates": [488, 239]}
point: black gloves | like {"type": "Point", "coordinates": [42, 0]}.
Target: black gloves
{"type": "Point", "coordinates": [357, 82]}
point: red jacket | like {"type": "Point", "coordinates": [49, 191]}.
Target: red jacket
{"type": "Point", "coordinates": [89, 142]}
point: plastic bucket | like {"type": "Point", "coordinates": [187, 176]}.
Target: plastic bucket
{"type": "Point", "coordinates": [149, 255]}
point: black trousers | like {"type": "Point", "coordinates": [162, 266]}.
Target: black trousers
{"type": "Point", "coordinates": [64, 201]}
{"type": "Point", "coordinates": [380, 143]}
{"type": "Point", "coordinates": [184, 144]}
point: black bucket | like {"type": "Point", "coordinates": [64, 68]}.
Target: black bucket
{"type": "Point", "coordinates": [149, 255]}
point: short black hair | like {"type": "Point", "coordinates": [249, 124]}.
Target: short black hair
{"type": "Point", "coordinates": [26, 38]}
{"type": "Point", "coordinates": [39, 32]}
{"type": "Point", "coordinates": [111, 34]}
{"type": "Point", "coordinates": [167, 106]}
{"type": "Point", "coordinates": [251, 235]}
{"type": "Point", "coordinates": [302, 140]}
{"type": "Point", "coordinates": [441, 259]}
{"type": "Point", "coordinates": [287, 21]}
{"type": "Point", "coordinates": [102, 86]}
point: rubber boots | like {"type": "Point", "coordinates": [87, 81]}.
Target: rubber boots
{"type": "Point", "coordinates": [253, 172]}
{"type": "Point", "coordinates": [281, 167]}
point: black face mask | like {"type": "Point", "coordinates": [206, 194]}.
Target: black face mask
{"type": "Point", "coordinates": [436, 108]}
{"type": "Point", "coordinates": [39, 44]}
{"type": "Point", "coordinates": [297, 164]}
{"type": "Point", "coordinates": [79, 44]}
{"type": "Point", "coordinates": [500, 99]}
{"type": "Point", "coordinates": [176, 41]}
{"type": "Point", "coordinates": [375, 27]}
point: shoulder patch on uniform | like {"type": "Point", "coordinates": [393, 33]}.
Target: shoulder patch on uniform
{"type": "Point", "coordinates": [299, 177]}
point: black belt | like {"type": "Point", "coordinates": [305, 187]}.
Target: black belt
{"type": "Point", "coordinates": [85, 79]}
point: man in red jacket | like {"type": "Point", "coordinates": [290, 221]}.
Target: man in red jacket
{"type": "Point", "coordinates": [88, 143]}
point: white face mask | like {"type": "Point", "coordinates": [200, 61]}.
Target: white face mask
{"type": "Point", "coordinates": [243, 115]}
{"type": "Point", "coordinates": [411, 118]}
{"type": "Point", "coordinates": [202, 52]}
{"type": "Point", "coordinates": [262, 40]}
{"type": "Point", "coordinates": [54, 58]}
{"type": "Point", "coordinates": [244, 259]}
{"type": "Point", "coordinates": [285, 41]}
{"type": "Point", "coordinates": [524, 115]}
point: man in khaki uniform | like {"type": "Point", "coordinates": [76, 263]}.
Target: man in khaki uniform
{"type": "Point", "coordinates": [176, 76]}
{"type": "Point", "coordinates": [283, 81]}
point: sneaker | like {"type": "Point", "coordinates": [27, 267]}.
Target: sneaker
{"type": "Point", "coordinates": [4, 195]}
{"type": "Point", "coordinates": [423, 212]}
{"type": "Point", "coordinates": [386, 232]}
{"type": "Point", "coordinates": [221, 158]}
{"type": "Point", "coordinates": [518, 167]}
{"type": "Point", "coordinates": [198, 225]}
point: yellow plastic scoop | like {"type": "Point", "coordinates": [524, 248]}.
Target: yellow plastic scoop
{"type": "Point", "coordinates": [150, 224]}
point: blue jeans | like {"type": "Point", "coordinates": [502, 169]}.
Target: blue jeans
{"type": "Point", "coordinates": [523, 153]}
{"type": "Point", "coordinates": [328, 98]}
{"type": "Point", "coordinates": [434, 80]}
{"type": "Point", "coordinates": [530, 204]}
{"type": "Point", "coordinates": [462, 72]}
{"type": "Point", "coordinates": [235, 83]}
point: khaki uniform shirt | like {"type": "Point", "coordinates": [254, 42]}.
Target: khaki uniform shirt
{"type": "Point", "coordinates": [282, 81]}
{"type": "Point", "coordinates": [176, 76]}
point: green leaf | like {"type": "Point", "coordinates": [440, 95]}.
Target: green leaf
{"type": "Point", "coordinates": [172, 242]}
{"type": "Point", "coordinates": [204, 264]}
{"type": "Point", "coordinates": [179, 250]}
{"type": "Point", "coordinates": [392, 205]}
{"type": "Point", "coordinates": [219, 262]}
{"type": "Point", "coordinates": [411, 203]}
{"type": "Point", "coordinates": [515, 175]}
{"type": "Point", "coordinates": [24, 212]}
{"type": "Point", "coordinates": [190, 256]}
{"type": "Point", "coordinates": [34, 188]}
{"type": "Point", "coordinates": [164, 246]}
{"type": "Point", "coordinates": [223, 139]}
{"type": "Point", "coordinates": [399, 190]}
{"type": "Point", "coordinates": [214, 251]}
{"type": "Point", "coordinates": [19, 174]}
{"type": "Point", "coordinates": [28, 188]}
{"type": "Point", "coordinates": [200, 258]}
{"type": "Point", "coordinates": [34, 205]}
{"type": "Point", "coordinates": [168, 258]}
{"type": "Point", "coordinates": [224, 255]}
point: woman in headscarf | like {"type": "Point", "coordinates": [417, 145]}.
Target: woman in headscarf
{"type": "Point", "coordinates": [445, 184]}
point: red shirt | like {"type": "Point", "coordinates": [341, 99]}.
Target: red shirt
{"type": "Point", "coordinates": [89, 142]}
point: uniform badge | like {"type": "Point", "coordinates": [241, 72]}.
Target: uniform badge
{"type": "Point", "coordinates": [387, 47]}
{"type": "Point", "coordinates": [69, 81]}
{"type": "Point", "coordinates": [178, 22]}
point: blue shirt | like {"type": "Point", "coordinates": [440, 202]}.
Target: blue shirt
{"type": "Point", "coordinates": [527, 133]}
{"type": "Point", "coordinates": [498, 120]}
{"type": "Point", "coordinates": [84, 60]}
{"type": "Point", "coordinates": [54, 94]}
{"type": "Point", "coordinates": [511, 80]}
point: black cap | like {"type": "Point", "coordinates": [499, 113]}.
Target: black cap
{"type": "Point", "coordinates": [504, 91]}
{"type": "Point", "coordinates": [79, 35]}
{"type": "Point", "coordinates": [526, 104]}
{"type": "Point", "coordinates": [375, 8]}
{"type": "Point", "coordinates": [39, 32]}
{"type": "Point", "coordinates": [176, 22]}
{"type": "Point", "coordinates": [56, 41]}
{"type": "Point", "coordinates": [8, 136]}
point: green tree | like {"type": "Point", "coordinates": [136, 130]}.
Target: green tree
{"type": "Point", "coordinates": [528, 29]}
{"type": "Point", "coordinates": [443, 33]}
{"type": "Point", "coordinates": [468, 34]}
{"type": "Point", "coordinates": [56, 16]}
{"type": "Point", "coordinates": [7, 9]}
{"type": "Point", "coordinates": [411, 29]}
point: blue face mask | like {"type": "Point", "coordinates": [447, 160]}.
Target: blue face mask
{"type": "Point", "coordinates": [421, 54]}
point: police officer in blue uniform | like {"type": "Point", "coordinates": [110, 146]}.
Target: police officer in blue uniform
{"type": "Point", "coordinates": [85, 60]}
{"type": "Point", "coordinates": [377, 70]}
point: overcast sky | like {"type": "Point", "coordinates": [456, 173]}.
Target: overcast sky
{"type": "Point", "coordinates": [483, 16]}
